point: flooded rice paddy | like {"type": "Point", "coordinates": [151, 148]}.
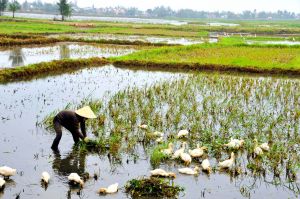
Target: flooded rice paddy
{"type": "Point", "coordinates": [150, 39]}
{"type": "Point", "coordinates": [26, 146]}
{"type": "Point", "coordinates": [24, 55]}
{"type": "Point", "coordinates": [209, 105]}
{"type": "Point", "coordinates": [93, 18]}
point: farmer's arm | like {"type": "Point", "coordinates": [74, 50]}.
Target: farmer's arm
{"type": "Point", "coordinates": [82, 126]}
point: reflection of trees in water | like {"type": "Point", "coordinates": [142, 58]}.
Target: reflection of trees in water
{"type": "Point", "coordinates": [16, 57]}
{"type": "Point", "coordinates": [64, 51]}
{"type": "Point", "coordinates": [74, 162]}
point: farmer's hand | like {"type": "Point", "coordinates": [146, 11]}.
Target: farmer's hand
{"type": "Point", "coordinates": [86, 139]}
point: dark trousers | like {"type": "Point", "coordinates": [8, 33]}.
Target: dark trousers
{"type": "Point", "coordinates": [58, 129]}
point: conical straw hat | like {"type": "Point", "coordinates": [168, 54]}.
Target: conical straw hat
{"type": "Point", "coordinates": [86, 112]}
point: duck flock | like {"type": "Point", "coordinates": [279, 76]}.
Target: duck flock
{"type": "Point", "coordinates": [74, 179]}
{"type": "Point", "coordinates": [186, 157]}
{"type": "Point", "coordinates": [198, 152]}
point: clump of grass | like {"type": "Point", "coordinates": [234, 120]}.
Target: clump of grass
{"type": "Point", "coordinates": [93, 145]}
{"type": "Point", "coordinates": [152, 187]}
{"type": "Point", "coordinates": [157, 156]}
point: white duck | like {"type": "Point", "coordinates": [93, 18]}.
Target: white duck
{"type": "Point", "coordinates": [265, 146]}
{"type": "Point", "coordinates": [143, 126]}
{"type": "Point", "coordinates": [162, 173]}
{"type": "Point", "coordinates": [75, 178]}
{"type": "Point", "coordinates": [178, 152]}
{"type": "Point", "coordinates": [206, 166]}
{"type": "Point", "coordinates": [227, 163]}
{"type": "Point", "coordinates": [186, 158]}
{"type": "Point", "coordinates": [189, 171]}
{"type": "Point", "coordinates": [159, 140]}
{"type": "Point", "coordinates": [110, 189]}
{"type": "Point", "coordinates": [158, 134]}
{"type": "Point", "coordinates": [197, 152]}
{"type": "Point", "coordinates": [2, 183]}
{"type": "Point", "coordinates": [257, 150]}
{"type": "Point", "coordinates": [45, 177]}
{"type": "Point", "coordinates": [6, 171]}
{"type": "Point", "coordinates": [235, 143]}
{"type": "Point", "coordinates": [182, 133]}
{"type": "Point", "coordinates": [169, 150]}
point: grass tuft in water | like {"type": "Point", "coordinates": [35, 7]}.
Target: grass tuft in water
{"type": "Point", "coordinates": [152, 187]}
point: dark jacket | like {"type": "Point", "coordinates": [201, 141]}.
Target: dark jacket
{"type": "Point", "coordinates": [71, 121]}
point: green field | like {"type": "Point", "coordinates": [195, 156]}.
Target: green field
{"type": "Point", "coordinates": [231, 53]}
{"type": "Point", "coordinates": [265, 58]}
{"type": "Point", "coordinates": [194, 28]}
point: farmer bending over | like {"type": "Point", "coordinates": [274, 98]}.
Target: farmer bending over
{"type": "Point", "coordinates": [71, 120]}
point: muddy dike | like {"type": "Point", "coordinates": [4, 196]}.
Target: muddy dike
{"type": "Point", "coordinates": [26, 39]}
{"type": "Point", "coordinates": [68, 65]}
{"type": "Point", "coordinates": [149, 65]}
{"type": "Point", "coordinates": [117, 42]}
{"type": "Point", "coordinates": [15, 40]}
{"type": "Point", "coordinates": [46, 68]}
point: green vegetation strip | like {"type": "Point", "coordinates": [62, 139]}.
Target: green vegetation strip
{"type": "Point", "coordinates": [22, 25]}
{"type": "Point", "coordinates": [46, 68]}
{"type": "Point", "coordinates": [262, 59]}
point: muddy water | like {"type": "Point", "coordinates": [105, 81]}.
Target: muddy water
{"type": "Point", "coordinates": [20, 56]}
{"type": "Point", "coordinates": [26, 146]}
{"type": "Point", "coordinates": [151, 39]}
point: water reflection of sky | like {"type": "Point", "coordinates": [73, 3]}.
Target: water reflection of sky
{"type": "Point", "coordinates": [112, 19]}
{"type": "Point", "coordinates": [20, 56]}
{"type": "Point", "coordinates": [143, 38]}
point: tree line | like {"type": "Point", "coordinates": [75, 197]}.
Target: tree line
{"type": "Point", "coordinates": [65, 9]}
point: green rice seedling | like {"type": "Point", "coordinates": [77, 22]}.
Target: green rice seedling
{"type": "Point", "coordinates": [157, 156]}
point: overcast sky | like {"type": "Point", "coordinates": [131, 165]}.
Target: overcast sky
{"type": "Point", "coordinates": [207, 5]}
